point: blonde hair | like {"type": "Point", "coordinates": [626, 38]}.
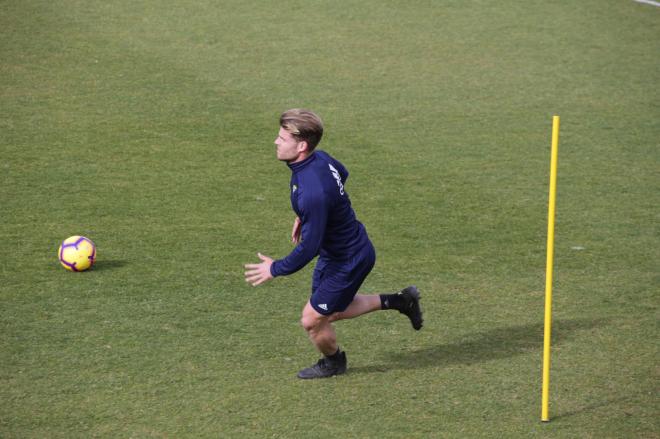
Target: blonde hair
{"type": "Point", "coordinates": [303, 125]}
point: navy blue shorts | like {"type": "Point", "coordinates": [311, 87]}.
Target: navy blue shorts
{"type": "Point", "coordinates": [335, 284]}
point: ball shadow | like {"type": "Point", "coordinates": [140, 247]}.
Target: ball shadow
{"type": "Point", "coordinates": [111, 264]}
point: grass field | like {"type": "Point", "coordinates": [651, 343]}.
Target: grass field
{"type": "Point", "coordinates": [147, 126]}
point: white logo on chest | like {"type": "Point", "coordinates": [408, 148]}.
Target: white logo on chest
{"type": "Point", "coordinates": [335, 174]}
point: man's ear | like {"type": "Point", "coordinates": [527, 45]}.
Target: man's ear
{"type": "Point", "coordinates": [303, 146]}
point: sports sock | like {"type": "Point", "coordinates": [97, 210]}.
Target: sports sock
{"type": "Point", "coordinates": [335, 357]}
{"type": "Point", "coordinates": [392, 301]}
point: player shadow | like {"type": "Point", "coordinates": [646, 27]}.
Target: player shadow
{"type": "Point", "coordinates": [106, 264]}
{"type": "Point", "coordinates": [479, 347]}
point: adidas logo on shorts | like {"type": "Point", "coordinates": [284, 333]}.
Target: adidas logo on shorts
{"type": "Point", "coordinates": [323, 306]}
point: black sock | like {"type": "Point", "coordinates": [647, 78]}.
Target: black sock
{"type": "Point", "coordinates": [392, 301]}
{"type": "Point", "coordinates": [335, 357]}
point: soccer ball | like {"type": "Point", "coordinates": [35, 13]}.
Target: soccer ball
{"type": "Point", "coordinates": [77, 253]}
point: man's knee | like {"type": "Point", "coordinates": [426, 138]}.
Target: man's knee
{"type": "Point", "coordinates": [307, 323]}
{"type": "Point", "coordinates": [312, 320]}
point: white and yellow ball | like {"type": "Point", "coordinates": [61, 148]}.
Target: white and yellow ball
{"type": "Point", "coordinates": [77, 253]}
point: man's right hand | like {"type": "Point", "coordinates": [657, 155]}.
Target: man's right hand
{"type": "Point", "coordinates": [295, 232]}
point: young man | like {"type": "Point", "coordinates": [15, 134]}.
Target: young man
{"type": "Point", "coordinates": [326, 226]}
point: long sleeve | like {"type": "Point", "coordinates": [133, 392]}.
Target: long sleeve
{"type": "Point", "coordinates": [314, 218]}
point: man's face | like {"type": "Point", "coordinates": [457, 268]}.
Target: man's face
{"type": "Point", "coordinates": [289, 149]}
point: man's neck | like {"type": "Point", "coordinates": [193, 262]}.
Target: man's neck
{"type": "Point", "coordinates": [301, 157]}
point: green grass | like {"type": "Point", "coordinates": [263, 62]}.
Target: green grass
{"type": "Point", "coordinates": [148, 127]}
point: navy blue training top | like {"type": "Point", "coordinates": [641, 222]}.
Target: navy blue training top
{"type": "Point", "coordinates": [329, 226]}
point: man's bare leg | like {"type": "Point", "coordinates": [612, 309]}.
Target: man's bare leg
{"type": "Point", "coordinates": [323, 336]}
{"type": "Point", "coordinates": [361, 304]}
{"type": "Point", "coordinates": [320, 330]}
{"type": "Point", "coordinates": [322, 333]}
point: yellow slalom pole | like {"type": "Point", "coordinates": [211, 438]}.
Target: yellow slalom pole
{"type": "Point", "coordinates": [545, 417]}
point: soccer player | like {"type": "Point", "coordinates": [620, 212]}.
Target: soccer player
{"type": "Point", "coordinates": [325, 225]}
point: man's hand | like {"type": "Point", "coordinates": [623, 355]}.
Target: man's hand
{"type": "Point", "coordinates": [295, 233]}
{"type": "Point", "coordinates": [257, 274]}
